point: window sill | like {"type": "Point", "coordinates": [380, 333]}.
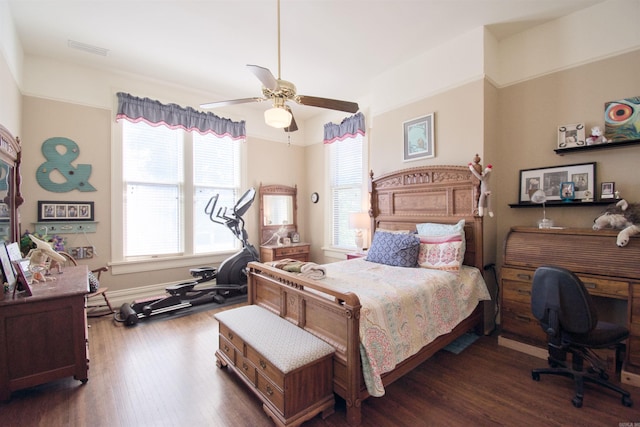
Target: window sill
{"type": "Point", "coordinates": [166, 263]}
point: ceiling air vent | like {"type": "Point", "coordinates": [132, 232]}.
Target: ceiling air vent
{"type": "Point", "coordinates": [87, 48]}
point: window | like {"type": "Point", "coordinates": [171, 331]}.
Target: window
{"type": "Point", "coordinates": [346, 182]}
{"type": "Point", "coordinates": [169, 176]}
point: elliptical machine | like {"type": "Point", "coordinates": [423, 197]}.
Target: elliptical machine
{"type": "Point", "coordinates": [231, 277]}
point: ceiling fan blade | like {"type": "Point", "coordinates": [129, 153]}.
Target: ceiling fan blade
{"type": "Point", "coordinates": [231, 102]}
{"type": "Point", "coordinates": [332, 104]}
{"type": "Point", "coordinates": [265, 76]}
{"type": "Point", "coordinates": [293, 126]}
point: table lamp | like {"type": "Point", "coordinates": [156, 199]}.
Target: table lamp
{"type": "Point", "coordinates": [359, 221]}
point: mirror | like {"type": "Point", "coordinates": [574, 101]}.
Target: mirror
{"type": "Point", "coordinates": [278, 211]}
{"type": "Point", "coordinates": [10, 197]}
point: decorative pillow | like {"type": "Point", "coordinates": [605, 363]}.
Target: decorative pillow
{"type": "Point", "coordinates": [435, 229]}
{"type": "Point", "coordinates": [94, 285]}
{"type": "Point", "coordinates": [441, 252]}
{"type": "Point", "coordinates": [395, 249]}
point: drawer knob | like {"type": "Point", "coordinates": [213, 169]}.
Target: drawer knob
{"type": "Point", "coordinates": [269, 391]}
{"type": "Point", "coordinates": [230, 335]}
{"type": "Point", "coordinates": [524, 276]}
{"type": "Point", "coordinates": [263, 365]}
{"type": "Point", "coordinates": [524, 291]}
{"type": "Point", "coordinates": [522, 318]}
{"type": "Point", "coordinates": [226, 348]}
{"type": "Point", "coordinates": [245, 367]}
{"type": "Point", "coordinates": [590, 285]}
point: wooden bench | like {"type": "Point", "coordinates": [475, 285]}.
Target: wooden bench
{"type": "Point", "coordinates": [289, 369]}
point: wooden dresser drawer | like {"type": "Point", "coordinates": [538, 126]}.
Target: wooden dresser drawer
{"type": "Point", "coordinates": [265, 367]}
{"type": "Point", "coordinates": [271, 392]}
{"type": "Point", "coordinates": [298, 251]}
{"type": "Point", "coordinates": [227, 348]}
{"type": "Point", "coordinates": [605, 287]}
{"type": "Point", "coordinates": [232, 338]}
{"type": "Point", "coordinates": [516, 291]}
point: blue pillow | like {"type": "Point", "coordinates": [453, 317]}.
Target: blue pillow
{"type": "Point", "coordinates": [400, 250]}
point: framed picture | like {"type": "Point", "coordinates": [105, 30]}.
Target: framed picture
{"type": "Point", "coordinates": [567, 191]}
{"type": "Point", "coordinates": [23, 275]}
{"type": "Point", "coordinates": [65, 211]}
{"type": "Point", "coordinates": [419, 142]}
{"type": "Point", "coordinates": [570, 136]}
{"type": "Point", "coordinates": [7, 267]}
{"type": "Point", "coordinates": [607, 190]}
{"type": "Point", "coordinates": [621, 120]}
{"type": "Point", "coordinates": [550, 180]}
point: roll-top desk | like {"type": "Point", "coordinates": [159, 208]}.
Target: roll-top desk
{"type": "Point", "coordinates": [607, 271]}
{"type": "Point", "coordinates": [44, 337]}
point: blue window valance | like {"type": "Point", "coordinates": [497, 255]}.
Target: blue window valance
{"type": "Point", "coordinates": [348, 128]}
{"type": "Point", "coordinates": [173, 116]}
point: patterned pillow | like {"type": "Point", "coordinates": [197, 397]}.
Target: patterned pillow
{"type": "Point", "coordinates": [395, 249]}
{"type": "Point", "coordinates": [435, 229]}
{"type": "Point", "coordinates": [441, 252]}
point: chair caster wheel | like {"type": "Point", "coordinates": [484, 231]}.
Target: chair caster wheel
{"type": "Point", "coordinates": [577, 402]}
{"type": "Point", "coordinates": [535, 376]}
{"type": "Point", "coordinates": [626, 401]}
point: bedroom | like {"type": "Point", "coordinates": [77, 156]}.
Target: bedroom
{"type": "Point", "coordinates": [505, 104]}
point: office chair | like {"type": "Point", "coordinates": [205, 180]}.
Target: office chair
{"type": "Point", "coordinates": [567, 314]}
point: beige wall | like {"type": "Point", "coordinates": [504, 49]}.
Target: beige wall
{"type": "Point", "coordinates": [529, 114]}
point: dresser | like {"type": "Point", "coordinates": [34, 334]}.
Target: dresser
{"type": "Point", "coordinates": [299, 251]}
{"type": "Point", "coordinates": [44, 337]}
{"type": "Point", "coordinates": [607, 271]}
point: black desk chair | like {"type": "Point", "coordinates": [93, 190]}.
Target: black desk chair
{"type": "Point", "coordinates": [566, 313]}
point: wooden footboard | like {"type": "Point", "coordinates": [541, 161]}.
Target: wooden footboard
{"type": "Point", "coordinates": [333, 316]}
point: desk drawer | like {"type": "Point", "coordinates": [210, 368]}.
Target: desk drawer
{"type": "Point", "coordinates": [518, 320]}
{"type": "Point", "coordinates": [516, 291]}
{"type": "Point", "coordinates": [605, 287]}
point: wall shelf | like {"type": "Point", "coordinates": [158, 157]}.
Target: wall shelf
{"type": "Point", "coordinates": [605, 146]}
{"type": "Point", "coordinates": [66, 227]}
{"type": "Point", "coordinates": [560, 204]}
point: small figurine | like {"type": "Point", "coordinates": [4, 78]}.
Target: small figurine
{"type": "Point", "coordinates": [596, 136]}
{"type": "Point", "coordinates": [485, 192]}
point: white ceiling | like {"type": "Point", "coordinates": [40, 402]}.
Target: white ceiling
{"type": "Point", "coordinates": [330, 48]}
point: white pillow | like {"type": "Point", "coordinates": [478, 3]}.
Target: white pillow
{"type": "Point", "coordinates": [441, 252]}
{"type": "Point", "coordinates": [437, 229]}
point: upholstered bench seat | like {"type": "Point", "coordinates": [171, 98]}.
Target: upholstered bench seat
{"type": "Point", "coordinates": [288, 368]}
{"type": "Point", "coordinates": [280, 341]}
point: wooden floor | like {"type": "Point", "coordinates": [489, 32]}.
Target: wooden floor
{"type": "Point", "coordinates": [162, 373]}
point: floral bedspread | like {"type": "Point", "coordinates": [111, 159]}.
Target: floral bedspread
{"type": "Point", "coordinates": [404, 309]}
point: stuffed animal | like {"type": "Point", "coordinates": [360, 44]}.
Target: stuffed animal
{"type": "Point", "coordinates": [621, 215]}
{"type": "Point", "coordinates": [596, 136]}
{"type": "Point", "coordinates": [485, 192]}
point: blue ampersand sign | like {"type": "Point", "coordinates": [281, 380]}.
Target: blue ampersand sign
{"type": "Point", "coordinates": [75, 178]}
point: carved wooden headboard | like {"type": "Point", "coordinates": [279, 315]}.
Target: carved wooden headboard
{"type": "Point", "coordinates": [442, 194]}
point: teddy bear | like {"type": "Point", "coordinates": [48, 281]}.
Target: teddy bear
{"type": "Point", "coordinates": [485, 192]}
{"type": "Point", "coordinates": [622, 215]}
{"type": "Point", "coordinates": [596, 136]}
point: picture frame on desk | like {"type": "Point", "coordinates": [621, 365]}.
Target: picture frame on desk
{"type": "Point", "coordinates": [8, 272]}
{"type": "Point", "coordinates": [550, 179]}
{"type": "Point", "coordinates": [23, 275]}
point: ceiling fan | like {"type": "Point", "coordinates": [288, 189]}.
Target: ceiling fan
{"type": "Point", "coordinates": [280, 92]}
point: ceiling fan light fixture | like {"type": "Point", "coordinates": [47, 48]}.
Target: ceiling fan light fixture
{"type": "Point", "coordinates": [277, 117]}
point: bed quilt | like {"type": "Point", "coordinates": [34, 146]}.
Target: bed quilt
{"type": "Point", "coordinates": [404, 309]}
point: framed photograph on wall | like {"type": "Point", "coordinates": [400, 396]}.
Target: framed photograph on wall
{"type": "Point", "coordinates": [570, 136]}
{"type": "Point", "coordinates": [550, 179]}
{"type": "Point", "coordinates": [419, 141]}
{"type": "Point", "coordinates": [65, 211]}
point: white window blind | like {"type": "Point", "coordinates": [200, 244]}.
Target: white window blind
{"type": "Point", "coordinates": [216, 171]}
{"type": "Point", "coordinates": [346, 171]}
{"type": "Point", "coordinates": [164, 206]}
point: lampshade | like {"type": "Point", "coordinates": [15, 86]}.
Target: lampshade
{"type": "Point", "coordinates": [277, 117]}
{"type": "Point", "coordinates": [359, 220]}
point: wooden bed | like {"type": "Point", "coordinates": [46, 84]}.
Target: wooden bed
{"type": "Point", "coordinates": [399, 201]}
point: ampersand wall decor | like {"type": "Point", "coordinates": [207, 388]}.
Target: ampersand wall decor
{"type": "Point", "coordinates": [75, 178]}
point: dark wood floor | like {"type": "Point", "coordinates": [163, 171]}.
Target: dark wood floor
{"type": "Point", "coordinates": [162, 373]}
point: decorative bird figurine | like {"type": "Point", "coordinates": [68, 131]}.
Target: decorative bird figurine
{"type": "Point", "coordinates": [46, 249]}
